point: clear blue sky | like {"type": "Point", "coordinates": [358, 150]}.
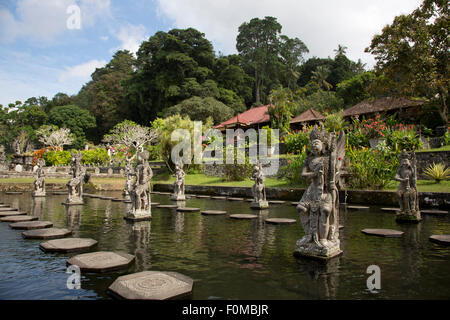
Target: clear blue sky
{"type": "Point", "coordinates": [40, 55]}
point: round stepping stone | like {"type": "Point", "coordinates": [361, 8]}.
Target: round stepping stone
{"type": "Point", "coordinates": [280, 221]}
{"type": "Point", "coordinates": [101, 261]}
{"type": "Point", "coordinates": [151, 285]}
{"type": "Point", "coordinates": [390, 209]}
{"type": "Point", "coordinates": [203, 197]}
{"type": "Point", "coordinates": [389, 233]}
{"type": "Point", "coordinates": [12, 213]}
{"type": "Point", "coordinates": [213, 212]}
{"type": "Point", "coordinates": [8, 209]}
{"type": "Point", "coordinates": [13, 192]}
{"type": "Point", "coordinates": [47, 233]}
{"type": "Point", "coordinates": [188, 209]}
{"type": "Point", "coordinates": [243, 216]}
{"type": "Point", "coordinates": [235, 199]}
{"type": "Point", "coordinates": [67, 245]}
{"type": "Point", "coordinates": [433, 212]}
{"type": "Point", "coordinates": [30, 225]}
{"type": "Point", "coordinates": [358, 207]}
{"type": "Point", "coordinates": [167, 206]}
{"type": "Point", "coordinates": [441, 239]}
{"type": "Point", "coordinates": [219, 198]}
{"type": "Point", "coordinates": [276, 202]}
{"type": "Point", "coordinates": [18, 218]}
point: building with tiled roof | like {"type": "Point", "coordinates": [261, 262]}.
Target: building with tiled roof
{"type": "Point", "coordinates": [252, 118]}
{"type": "Point", "coordinates": [406, 107]}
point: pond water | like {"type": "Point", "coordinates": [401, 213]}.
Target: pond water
{"type": "Point", "coordinates": [227, 258]}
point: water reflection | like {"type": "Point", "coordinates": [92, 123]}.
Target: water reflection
{"type": "Point", "coordinates": [140, 239]}
{"type": "Point", "coordinates": [37, 207]}
{"type": "Point", "coordinates": [74, 214]}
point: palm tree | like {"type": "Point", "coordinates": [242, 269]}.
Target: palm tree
{"type": "Point", "coordinates": [341, 50]}
{"type": "Point", "coordinates": [320, 76]}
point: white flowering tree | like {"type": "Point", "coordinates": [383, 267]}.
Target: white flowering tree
{"type": "Point", "coordinates": [55, 137]}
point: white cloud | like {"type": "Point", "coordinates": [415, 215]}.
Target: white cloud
{"type": "Point", "coordinates": [131, 37]}
{"type": "Point", "coordinates": [44, 20]}
{"type": "Point", "coordinates": [81, 72]}
{"type": "Point", "coordinates": [322, 25]}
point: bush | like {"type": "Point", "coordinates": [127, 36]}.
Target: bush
{"type": "Point", "coordinates": [235, 171]}
{"type": "Point", "coordinates": [296, 141]}
{"type": "Point", "coordinates": [293, 170]}
{"type": "Point", "coordinates": [154, 152]}
{"type": "Point", "coordinates": [437, 172]}
{"type": "Point", "coordinates": [57, 158]}
{"type": "Point", "coordinates": [403, 137]}
{"type": "Point", "coordinates": [94, 156]}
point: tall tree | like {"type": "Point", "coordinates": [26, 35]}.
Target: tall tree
{"type": "Point", "coordinates": [320, 77]}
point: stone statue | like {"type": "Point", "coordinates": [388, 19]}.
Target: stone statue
{"type": "Point", "coordinates": [178, 185]}
{"type": "Point", "coordinates": [75, 184]}
{"type": "Point", "coordinates": [259, 190]}
{"type": "Point", "coordinates": [407, 194]}
{"type": "Point", "coordinates": [129, 179]}
{"type": "Point", "coordinates": [39, 182]}
{"type": "Point", "coordinates": [319, 205]}
{"type": "Point", "coordinates": [140, 190]}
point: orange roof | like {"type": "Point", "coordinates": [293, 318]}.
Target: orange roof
{"type": "Point", "coordinates": [249, 117]}
{"type": "Point", "coordinates": [308, 115]}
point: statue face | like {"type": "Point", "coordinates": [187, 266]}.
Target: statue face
{"type": "Point", "coordinates": [316, 146]}
{"type": "Point", "coordinates": [405, 163]}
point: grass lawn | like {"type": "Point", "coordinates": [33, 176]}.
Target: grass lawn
{"type": "Point", "coordinates": [444, 148]}
{"type": "Point", "coordinates": [425, 186]}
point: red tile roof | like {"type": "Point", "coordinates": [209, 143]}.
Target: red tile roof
{"type": "Point", "coordinates": [308, 115]}
{"type": "Point", "coordinates": [249, 117]}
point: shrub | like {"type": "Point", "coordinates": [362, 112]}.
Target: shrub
{"type": "Point", "coordinates": [293, 170]}
{"type": "Point", "coordinates": [335, 122]}
{"type": "Point", "coordinates": [235, 171]}
{"type": "Point", "coordinates": [437, 172]}
{"type": "Point", "coordinates": [94, 156]}
{"type": "Point", "coordinates": [296, 141]}
{"type": "Point", "coordinates": [57, 158]}
{"type": "Point", "coordinates": [403, 137]}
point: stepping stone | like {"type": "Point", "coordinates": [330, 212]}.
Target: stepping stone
{"type": "Point", "coordinates": [441, 239]}
{"type": "Point", "coordinates": [235, 199]}
{"type": "Point", "coordinates": [433, 212]}
{"type": "Point", "coordinates": [167, 206]}
{"type": "Point", "coordinates": [165, 193]}
{"type": "Point", "coordinates": [106, 198]}
{"type": "Point", "coordinates": [151, 285]}
{"type": "Point", "coordinates": [4, 206]}
{"type": "Point", "coordinates": [390, 209]}
{"type": "Point", "coordinates": [188, 209]}
{"type": "Point", "coordinates": [249, 200]}
{"type": "Point", "coordinates": [243, 216]}
{"type": "Point", "coordinates": [59, 192]}
{"type": "Point", "coordinates": [358, 207]}
{"type": "Point", "coordinates": [280, 221]}
{"type": "Point", "coordinates": [219, 198]}
{"type": "Point", "coordinates": [30, 225]}
{"type": "Point", "coordinates": [13, 192]}
{"type": "Point", "coordinates": [12, 213]}
{"type": "Point", "coordinates": [341, 227]}
{"type": "Point", "coordinates": [101, 261]}
{"type": "Point", "coordinates": [94, 196]}
{"type": "Point", "coordinates": [8, 209]}
{"type": "Point", "coordinates": [116, 199]}
{"type": "Point", "coordinates": [153, 203]}
{"type": "Point", "coordinates": [213, 212]}
{"type": "Point", "coordinates": [67, 245]}
{"type": "Point", "coordinates": [276, 202]}
{"type": "Point", "coordinates": [18, 218]}
{"type": "Point", "coordinates": [389, 233]}
{"type": "Point", "coordinates": [295, 203]}
{"type": "Point", "coordinates": [126, 201]}
{"type": "Point", "coordinates": [203, 196]}
{"type": "Point", "coordinates": [47, 233]}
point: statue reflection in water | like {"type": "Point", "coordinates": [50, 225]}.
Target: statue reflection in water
{"type": "Point", "coordinates": [140, 238]}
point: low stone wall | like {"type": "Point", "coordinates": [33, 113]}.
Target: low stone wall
{"type": "Point", "coordinates": [216, 170]}
{"type": "Point", "coordinates": [426, 159]}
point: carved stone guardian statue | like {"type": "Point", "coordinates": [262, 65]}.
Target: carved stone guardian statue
{"type": "Point", "coordinates": [178, 185]}
{"type": "Point", "coordinates": [319, 205]}
{"type": "Point", "coordinates": [259, 190]}
{"type": "Point", "coordinates": [39, 182]}
{"type": "Point", "coordinates": [75, 184]}
{"type": "Point", "coordinates": [140, 190]}
{"type": "Point", "coordinates": [407, 194]}
{"type": "Point", "coordinates": [129, 179]}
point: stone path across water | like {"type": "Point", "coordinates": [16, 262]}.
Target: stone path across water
{"type": "Point", "coordinates": [101, 261]}
{"type": "Point", "coordinates": [389, 233]}
{"type": "Point", "coordinates": [18, 218]}
{"type": "Point", "coordinates": [67, 245]}
{"type": "Point", "coordinates": [213, 212]}
{"type": "Point", "coordinates": [31, 225]}
{"type": "Point", "coordinates": [280, 221]}
{"type": "Point", "coordinates": [358, 207]}
{"type": "Point", "coordinates": [243, 216]}
{"type": "Point", "coordinates": [443, 239]}
{"type": "Point", "coordinates": [186, 209]}
{"type": "Point", "coordinates": [11, 213]}
{"type": "Point", "coordinates": [47, 233]}
{"type": "Point", "coordinates": [8, 209]}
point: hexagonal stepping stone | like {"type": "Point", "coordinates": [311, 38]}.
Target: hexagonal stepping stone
{"type": "Point", "coordinates": [167, 206]}
{"type": "Point", "coordinates": [31, 225]}
{"type": "Point", "coordinates": [235, 199]}
{"type": "Point", "coordinates": [434, 212]}
{"type": "Point", "coordinates": [12, 213]}
{"type": "Point", "coordinates": [8, 209]}
{"type": "Point", "coordinates": [101, 261]}
{"type": "Point", "coordinates": [13, 192]}
{"type": "Point", "coordinates": [243, 216]}
{"type": "Point", "coordinates": [18, 218]}
{"type": "Point", "coordinates": [154, 204]}
{"type": "Point", "coordinates": [358, 207]}
{"type": "Point", "coordinates": [390, 209]}
{"type": "Point", "coordinates": [67, 245]}
{"type": "Point", "coordinates": [276, 202]}
{"type": "Point", "coordinates": [213, 212]}
{"type": "Point", "coordinates": [203, 196]}
{"type": "Point", "coordinates": [151, 285]}
{"type": "Point", "coordinates": [116, 199]}
{"type": "Point", "coordinates": [389, 233]}
{"type": "Point", "coordinates": [187, 209]}
{"type": "Point", "coordinates": [219, 198]}
{"type": "Point", "coordinates": [443, 239]}
{"type": "Point", "coordinates": [280, 221]}
{"type": "Point", "coordinates": [47, 233]}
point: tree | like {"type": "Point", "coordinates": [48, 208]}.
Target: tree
{"type": "Point", "coordinates": [412, 53]}
{"type": "Point", "coordinates": [280, 111]}
{"type": "Point", "coordinates": [320, 77]}
{"type": "Point", "coordinates": [51, 135]}
{"type": "Point", "coordinates": [341, 50]}
{"type": "Point", "coordinates": [291, 53]}
{"type": "Point", "coordinates": [78, 120]}
{"type": "Point", "coordinates": [356, 89]}
{"type": "Point", "coordinates": [131, 135]}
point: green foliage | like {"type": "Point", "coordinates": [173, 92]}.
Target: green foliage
{"type": "Point", "coordinates": [154, 152]}
{"type": "Point", "coordinates": [335, 122]}
{"type": "Point", "coordinates": [57, 158]}
{"type": "Point", "coordinates": [403, 138]}
{"type": "Point", "coordinates": [437, 172]}
{"type": "Point", "coordinates": [293, 170]}
{"type": "Point", "coordinates": [235, 171]}
{"type": "Point", "coordinates": [356, 89]}
{"type": "Point", "coordinates": [296, 141]}
{"type": "Point", "coordinates": [281, 110]}
{"type": "Point", "coordinates": [321, 101]}
{"type": "Point", "coordinates": [95, 156]}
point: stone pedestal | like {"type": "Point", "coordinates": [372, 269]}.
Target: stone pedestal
{"type": "Point", "coordinates": [259, 205]}
{"type": "Point", "coordinates": [139, 215]}
{"type": "Point", "coordinates": [178, 197]}
{"type": "Point", "coordinates": [408, 217]}
{"type": "Point", "coordinates": [314, 251]}
{"type": "Point", "coordinates": [74, 201]}
{"type": "Point", "coordinates": [38, 193]}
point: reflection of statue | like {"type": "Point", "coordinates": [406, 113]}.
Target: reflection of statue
{"type": "Point", "coordinates": [140, 190]}
{"type": "Point", "coordinates": [178, 185]}
{"type": "Point", "coordinates": [39, 182]}
{"type": "Point", "coordinates": [129, 181]}
{"type": "Point", "coordinates": [75, 185]}
{"type": "Point", "coordinates": [319, 206]}
{"type": "Point", "coordinates": [407, 190]}
{"type": "Point", "coordinates": [259, 191]}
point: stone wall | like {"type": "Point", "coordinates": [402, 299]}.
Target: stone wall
{"type": "Point", "coordinates": [425, 159]}
{"type": "Point", "coordinates": [216, 170]}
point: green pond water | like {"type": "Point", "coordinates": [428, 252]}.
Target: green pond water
{"type": "Point", "coordinates": [227, 258]}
